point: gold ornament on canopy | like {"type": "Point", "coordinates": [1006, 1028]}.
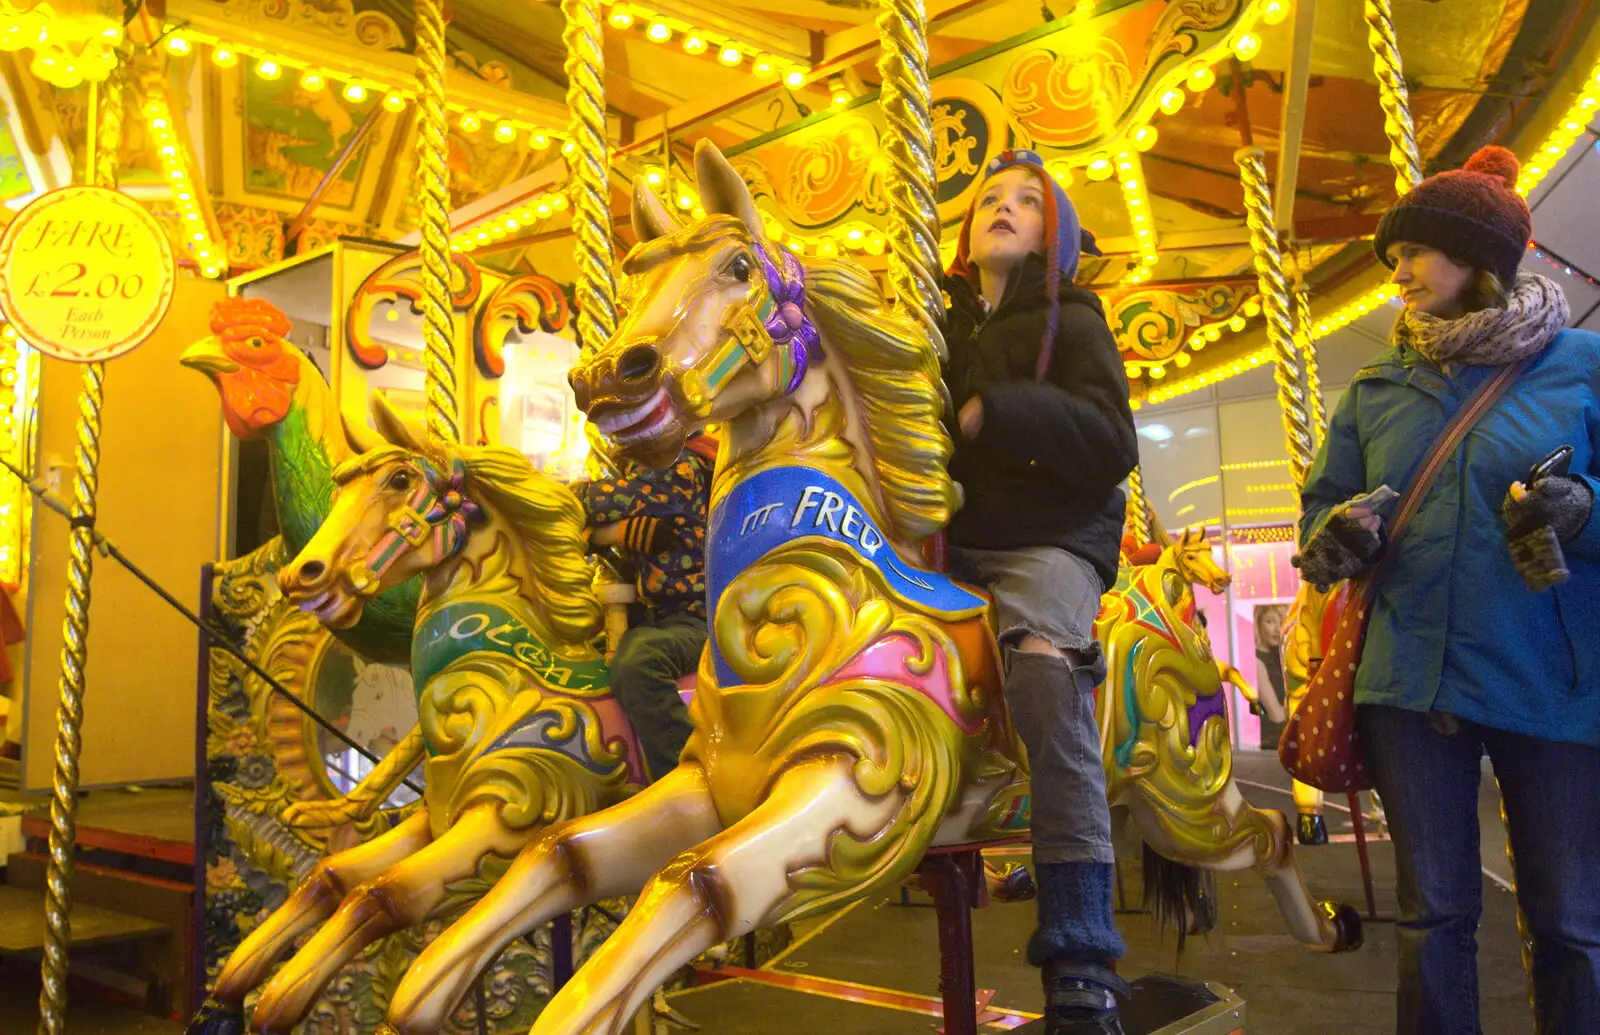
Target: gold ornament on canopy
{"type": "Point", "coordinates": [73, 41]}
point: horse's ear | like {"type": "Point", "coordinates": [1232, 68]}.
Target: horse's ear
{"type": "Point", "coordinates": [361, 438]}
{"type": "Point", "coordinates": [651, 217]}
{"type": "Point", "coordinates": [722, 190]}
{"type": "Point", "coordinates": [395, 430]}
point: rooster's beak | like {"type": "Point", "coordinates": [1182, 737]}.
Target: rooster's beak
{"type": "Point", "coordinates": [206, 356]}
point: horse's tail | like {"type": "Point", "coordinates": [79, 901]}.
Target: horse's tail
{"type": "Point", "coordinates": [1180, 895]}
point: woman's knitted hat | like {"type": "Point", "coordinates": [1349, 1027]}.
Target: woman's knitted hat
{"type": "Point", "coordinates": [1474, 215]}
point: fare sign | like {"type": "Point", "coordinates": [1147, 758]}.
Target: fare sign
{"type": "Point", "coordinates": [86, 274]}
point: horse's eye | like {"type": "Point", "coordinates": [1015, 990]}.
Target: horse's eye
{"type": "Point", "coordinates": [400, 480]}
{"type": "Point", "coordinates": [740, 268]}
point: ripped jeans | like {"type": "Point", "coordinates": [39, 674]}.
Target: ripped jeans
{"type": "Point", "coordinates": [1050, 593]}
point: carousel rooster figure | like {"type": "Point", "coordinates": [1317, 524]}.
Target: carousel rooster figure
{"type": "Point", "coordinates": [270, 390]}
{"type": "Point", "coordinates": [848, 713]}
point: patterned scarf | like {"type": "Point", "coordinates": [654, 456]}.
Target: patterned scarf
{"type": "Point", "coordinates": [1531, 319]}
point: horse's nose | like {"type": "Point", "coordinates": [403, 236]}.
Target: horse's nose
{"type": "Point", "coordinates": [296, 579]}
{"type": "Point", "coordinates": [640, 363]}
{"type": "Point", "coordinates": [311, 571]}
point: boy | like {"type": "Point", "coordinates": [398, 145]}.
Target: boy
{"type": "Point", "coordinates": [658, 519]}
{"type": "Point", "coordinates": [1045, 439]}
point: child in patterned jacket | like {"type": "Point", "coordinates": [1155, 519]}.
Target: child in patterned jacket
{"type": "Point", "coordinates": [657, 518]}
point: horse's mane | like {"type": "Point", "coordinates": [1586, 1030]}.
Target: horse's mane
{"type": "Point", "coordinates": [895, 371]}
{"type": "Point", "coordinates": [547, 517]}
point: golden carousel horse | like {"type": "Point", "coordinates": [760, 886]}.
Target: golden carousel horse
{"type": "Point", "coordinates": [848, 714]}
{"type": "Point", "coordinates": [517, 731]}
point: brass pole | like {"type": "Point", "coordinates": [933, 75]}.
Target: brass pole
{"type": "Point", "coordinates": [1138, 507]}
{"type": "Point", "coordinates": [1393, 96]}
{"type": "Point", "coordinates": [1307, 347]}
{"type": "Point", "coordinates": [1275, 301]}
{"type": "Point", "coordinates": [914, 266]}
{"type": "Point", "coordinates": [100, 158]}
{"type": "Point", "coordinates": [589, 160]}
{"type": "Point", "coordinates": [438, 324]}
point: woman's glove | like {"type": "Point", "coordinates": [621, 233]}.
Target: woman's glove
{"type": "Point", "coordinates": [1561, 502]}
{"type": "Point", "coordinates": [1351, 541]}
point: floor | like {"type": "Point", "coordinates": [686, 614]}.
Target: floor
{"type": "Point", "coordinates": [883, 951]}
{"type": "Point", "coordinates": [1287, 989]}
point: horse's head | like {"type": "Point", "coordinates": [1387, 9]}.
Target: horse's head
{"type": "Point", "coordinates": [398, 509]}
{"type": "Point", "coordinates": [713, 321]}
{"type": "Point", "coordinates": [1193, 558]}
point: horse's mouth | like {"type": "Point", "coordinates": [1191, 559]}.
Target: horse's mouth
{"type": "Point", "coordinates": [336, 608]}
{"type": "Point", "coordinates": [647, 430]}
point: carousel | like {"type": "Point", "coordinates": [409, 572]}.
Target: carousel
{"type": "Point", "coordinates": [316, 313]}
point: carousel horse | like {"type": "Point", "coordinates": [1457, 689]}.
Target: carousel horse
{"type": "Point", "coordinates": [848, 714]}
{"type": "Point", "coordinates": [1306, 632]}
{"type": "Point", "coordinates": [518, 727]}
{"type": "Point", "coordinates": [1169, 760]}
{"type": "Point", "coordinates": [271, 391]}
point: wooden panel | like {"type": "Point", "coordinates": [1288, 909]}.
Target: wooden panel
{"type": "Point", "coordinates": [22, 923]}
{"type": "Point", "coordinates": [161, 453]}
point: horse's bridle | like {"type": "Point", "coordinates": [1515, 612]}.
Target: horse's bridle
{"type": "Point", "coordinates": [439, 508]}
{"type": "Point", "coordinates": [773, 316]}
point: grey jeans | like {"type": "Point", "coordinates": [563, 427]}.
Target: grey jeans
{"type": "Point", "coordinates": [1053, 594]}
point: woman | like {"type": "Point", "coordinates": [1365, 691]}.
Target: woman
{"type": "Point", "coordinates": [1269, 672]}
{"type": "Point", "coordinates": [1461, 658]}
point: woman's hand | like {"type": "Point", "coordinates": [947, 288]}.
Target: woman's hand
{"type": "Point", "coordinates": [971, 417]}
{"type": "Point", "coordinates": [1365, 518]}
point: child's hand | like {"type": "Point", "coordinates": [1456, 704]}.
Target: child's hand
{"type": "Point", "coordinates": [971, 417]}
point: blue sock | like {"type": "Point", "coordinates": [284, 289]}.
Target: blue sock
{"type": "Point", "coordinates": [1075, 918]}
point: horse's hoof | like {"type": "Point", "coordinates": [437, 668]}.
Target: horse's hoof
{"type": "Point", "coordinates": [1010, 882]}
{"type": "Point", "coordinates": [1346, 926]}
{"type": "Point", "coordinates": [214, 1018]}
{"type": "Point", "coordinates": [1313, 829]}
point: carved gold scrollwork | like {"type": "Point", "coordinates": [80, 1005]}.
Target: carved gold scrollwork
{"type": "Point", "coordinates": [523, 304]}
{"type": "Point", "coordinates": [401, 278]}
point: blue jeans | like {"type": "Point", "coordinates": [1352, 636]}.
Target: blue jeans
{"type": "Point", "coordinates": [1429, 784]}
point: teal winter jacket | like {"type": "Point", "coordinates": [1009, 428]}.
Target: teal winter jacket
{"type": "Point", "coordinates": [1454, 628]}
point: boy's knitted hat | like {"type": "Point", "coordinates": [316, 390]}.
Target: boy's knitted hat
{"type": "Point", "coordinates": [1064, 238]}
{"type": "Point", "coordinates": [1474, 215]}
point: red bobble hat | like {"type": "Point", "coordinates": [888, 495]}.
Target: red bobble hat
{"type": "Point", "coordinates": [1474, 215]}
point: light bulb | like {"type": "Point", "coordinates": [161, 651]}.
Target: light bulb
{"type": "Point", "coordinates": [355, 93]}
{"type": "Point", "coordinates": [794, 78]}
{"type": "Point", "coordinates": [394, 103]}
{"type": "Point", "coordinates": [1172, 101]}
{"type": "Point", "coordinates": [1247, 46]}
{"type": "Point", "coordinates": [1202, 79]}
{"type": "Point", "coordinates": [1144, 138]}
{"type": "Point", "coordinates": [658, 32]}
{"type": "Point", "coordinates": [268, 69]}
{"type": "Point", "coordinates": [694, 45]}
{"type": "Point", "coordinates": [540, 141]}
{"type": "Point", "coordinates": [1274, 11]}
{"type": "Point", "coordinates": [729, 56]}
{"type": "Point", "coordinates": [470, 123]}
{"type": "Point", "coordinates": [311, 82]}
{"type": "Point", "coordinates": [621, 19]}
{"type": "Point", "coordinates": [177, 45]}
{"type": "Point", "coordinates": [505, 132]}
{"type": "Point", "coordinates": [222, 57]}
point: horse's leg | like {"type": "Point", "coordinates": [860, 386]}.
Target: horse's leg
{"type": "Point", "coordinates": [406, 893]}
{"type": "Point", "coordinates": [733, 883]}
{"type": "Point", "coordinates": [1256, 837]}
{"type": "Point", "coordinates": [604, 854]}
{"type": "Point", "coordinates": [312, 902]}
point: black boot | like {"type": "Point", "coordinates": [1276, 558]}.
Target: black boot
{"type": "Point", "coordinates": [1313, 829]}
{"type": "Point", "coordinates": [1081, 999]}
{"type": "Point", "coordinates": [214, 1018]}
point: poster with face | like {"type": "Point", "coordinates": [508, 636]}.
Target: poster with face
{"type": "Point", "coordinates": [1269, 619]}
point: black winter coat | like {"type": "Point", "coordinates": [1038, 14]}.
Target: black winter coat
{"type": "Point", "coordinates": [1048, 463]}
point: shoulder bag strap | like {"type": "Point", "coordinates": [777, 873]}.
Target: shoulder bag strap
{"type": "Point", "coordinates": [1445, 445]}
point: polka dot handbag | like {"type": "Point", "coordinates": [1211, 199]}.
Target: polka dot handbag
{"type": "Point", "coordinates": [1319, 745]}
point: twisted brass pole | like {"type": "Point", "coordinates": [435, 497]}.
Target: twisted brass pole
{"type": "Point", "coordinates": [1138, 508]}
{"type": "Point", "coordinates": [1393, 96]}
{"type": "Point", "coordinates": [1275, 302]}
{"type": "Point", "coordinates": [433, 195]}
{"type": "Point", "coordinates": [589, 159]}
{"type": "Point", "coordinates": [103, 147]}
{"type": "Point", "coordinates": [1307, 348]}
{"type": "Point", "coordinates": [908, 145]}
